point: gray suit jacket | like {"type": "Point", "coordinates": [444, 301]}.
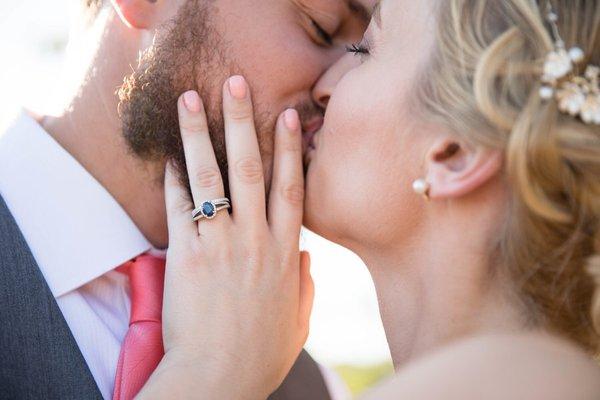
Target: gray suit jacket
{"type": "Point", "coordinates": [39, 358]}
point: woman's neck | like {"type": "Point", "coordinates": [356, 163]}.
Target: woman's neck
{"type": "Point", "coordinates": [448, 291]}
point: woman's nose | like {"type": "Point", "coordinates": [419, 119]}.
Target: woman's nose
{"type": "Point", "coordinates": [325, 86]}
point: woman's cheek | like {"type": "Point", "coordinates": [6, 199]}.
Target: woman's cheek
{"type": "Point", "coordinates": [329, 183]}
{"type": "Point", "coordinates": [344, 175]}
{"type": "Point", "coordinates": [347, 180]}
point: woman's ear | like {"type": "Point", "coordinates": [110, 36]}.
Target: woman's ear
{"type": "Point", "coordinates": [455, 169]}
{"type": "Point", "coordinates": [138, 14]}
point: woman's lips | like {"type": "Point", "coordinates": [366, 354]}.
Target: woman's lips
{"type": "Point", "coordinates": [308, 133]}
{"type": "Point", "coordinates": [308, 142]}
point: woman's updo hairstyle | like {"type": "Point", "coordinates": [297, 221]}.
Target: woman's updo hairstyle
{"type": "Point", "coordinates": [484, 83]}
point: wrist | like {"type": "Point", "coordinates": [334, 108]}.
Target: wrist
{"type": "Point", "coordinates": [175, 379]}
{"type": "Point", "coordinates": [182, 378]}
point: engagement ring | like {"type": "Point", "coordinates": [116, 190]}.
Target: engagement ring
{"type": "Point", "coordinates": [209, 209]}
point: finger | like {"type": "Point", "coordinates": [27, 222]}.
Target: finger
{"type": "Point", "coordinates": [307, 293]}
{"type": "Point", "coordinates": [287, 189]}
{"type": "Point", "coordinates": [246, 182]}
{"type": "Point", "coordinates": [206, 182]}
{"type": "Point", "coordinates": [179, 207]}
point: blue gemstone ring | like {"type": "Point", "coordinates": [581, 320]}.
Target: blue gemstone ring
{"type": "Point", "coordinates": [209, 209]}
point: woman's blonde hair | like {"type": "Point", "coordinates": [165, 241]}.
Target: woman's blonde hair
{"type": "Point", "coordinates": [483, 82]}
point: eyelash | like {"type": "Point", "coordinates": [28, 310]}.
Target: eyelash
{"type": "Point", "coordinates": [322, 33]}
{"type": "Point", "coordinates": [358, 49]}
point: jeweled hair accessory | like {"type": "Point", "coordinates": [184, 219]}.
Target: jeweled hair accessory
{"type": "Point", "coordinates": [577, 95]}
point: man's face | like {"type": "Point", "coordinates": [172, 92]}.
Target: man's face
{"type": "Point", "coordinates": [280, 46]}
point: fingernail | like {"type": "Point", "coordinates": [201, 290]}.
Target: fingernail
{"type": "Point", "coordinates": [238, 87]}
{"type": "Point", "coordinates": [191, 99]}
{"type": "Point", "coordinates": [292, 120]}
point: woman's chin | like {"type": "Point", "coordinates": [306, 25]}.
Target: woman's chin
{"type": "Point", "coordinates": [317, 212]}
{"type": "Point", "coordinates": [317, 215]}
{"type": "Point", "coordinates": [311, 202]}
{"type": "Point", "coordinates": [309, 210]}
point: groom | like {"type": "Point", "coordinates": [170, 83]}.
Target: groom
{"type": "Point", "coordinates": [81, 192]}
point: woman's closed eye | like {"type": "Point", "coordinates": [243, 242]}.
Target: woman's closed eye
{"type": "Point", "coordinates": [361, 49]}
{"type": "Point", "coordinates": [357, 49]}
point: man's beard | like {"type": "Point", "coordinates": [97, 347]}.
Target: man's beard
{"type": "Point", "coordinates": [190, 54]}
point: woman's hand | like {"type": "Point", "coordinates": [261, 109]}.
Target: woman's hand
{"type": "Point", "coordinates": [238, 292]}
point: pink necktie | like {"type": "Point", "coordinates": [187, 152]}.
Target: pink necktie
{"type": "Point", "coordinates": [142, 348]}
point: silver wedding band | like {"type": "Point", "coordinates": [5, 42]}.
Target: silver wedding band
{"type": "Point", "coordinates": [210, 208]}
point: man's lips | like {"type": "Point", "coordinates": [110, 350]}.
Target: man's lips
{"type": "Point", "coordinates": [309, 129]}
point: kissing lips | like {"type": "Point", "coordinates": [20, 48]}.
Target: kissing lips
{"type": "Point", "coordinates": [309, 130]}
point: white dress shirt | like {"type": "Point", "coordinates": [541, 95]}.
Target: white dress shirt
{"type": "Point", "coordinates": [78, 234]}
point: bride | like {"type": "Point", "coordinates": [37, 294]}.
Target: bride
{"type": "Point", "coordinates": [459, 158]}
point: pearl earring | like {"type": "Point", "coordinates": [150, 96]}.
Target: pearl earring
{"type": "Point", "coordinates": [422, 187]}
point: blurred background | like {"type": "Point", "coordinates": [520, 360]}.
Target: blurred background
{"type": "Point", "coordinates": [346, 332]}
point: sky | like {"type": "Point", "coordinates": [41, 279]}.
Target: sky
{"type": "Point", "coordinates": [345, 325]}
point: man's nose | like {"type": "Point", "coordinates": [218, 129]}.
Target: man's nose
{"type": "Point", "coordinates": [326, 84]}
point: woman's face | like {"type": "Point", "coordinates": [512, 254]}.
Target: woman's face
{"type": "Point", "coordinates": [371, 147]}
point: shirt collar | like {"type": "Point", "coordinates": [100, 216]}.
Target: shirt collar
{"type": "Point", "coordinates": [74, 228]}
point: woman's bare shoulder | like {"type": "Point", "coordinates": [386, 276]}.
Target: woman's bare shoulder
{"type": "Point", "coordinates": [529, 366]}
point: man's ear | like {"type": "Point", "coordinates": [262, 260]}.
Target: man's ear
{"type": "Point", "coordinates": [138, 14]}
{"type": "Point", "coordinates": [455, 169]}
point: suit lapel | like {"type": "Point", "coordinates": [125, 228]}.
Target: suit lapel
{"type": "Point", "coordinates": [39, 357]}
